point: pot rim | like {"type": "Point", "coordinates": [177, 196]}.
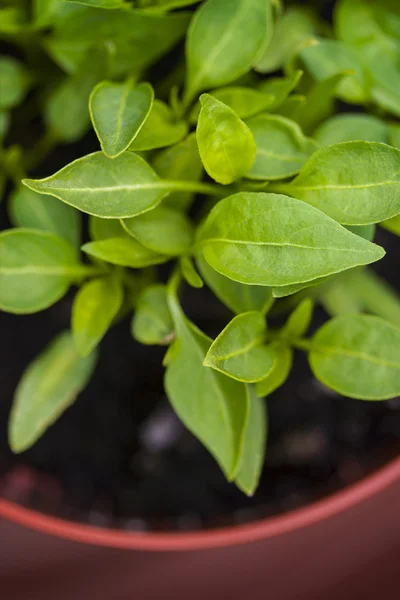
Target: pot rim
{"type": "Point", "coordinates": [211, 538]}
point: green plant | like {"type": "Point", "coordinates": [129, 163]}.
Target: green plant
{"type": "Point", "coordinates": [288, 198]}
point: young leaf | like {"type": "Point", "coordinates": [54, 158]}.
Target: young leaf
{"type": "Point", "coordinates": [358, 356]}
{"type": "Point", "coordinates": [110, 188]}
{"type": "Point", "coordinates": [296, 25]}
{"type": "Point", "coordinates": [103, 229]}
{"type": "Point", "coordinates": [244, 101]}
{"type": "Point", "coordinates": [66, 111]}
{"type": "Point", "coordinates": [226, 144]}
{"type": "Point", "coordinates": [289, 290]}
{"type": "Point", "coordinates": [95, 306]}
{"type": "Point", "coordinates": [347, 127]}
{"type": "Point", "coordinates": [36, 270]}
{"type": "Point", "coordinates": [118, 112]}
{"type": "Point", "coordinates": [281, 148]}
{"type": "Point", "coordinates": [254, 445]}
{"type": "Point", "coordinates": [189, 272]}
{"type": "Point", "coordinates": [180, 162]}
{"type": "Point", "coordinates": [36, 211]}
{"type": "Point", "coordinates": [280, 88]}
{"type": "Point", "coordinates": [330, 57]}
{"type": "Point", "coordinates": [280, 371]}
{"type": "Point", "coordinates": [236, 296]}
{"type": "Point", "coordinates": [152, 321]}
{"type": "Point", "coordinates": [299, 321]}
{"type": "Point", "coordinates": [274, 240]}
{"type": "Point", "coordinates": [14, 82]}
{"type": "Point", "coordinates": [212, 406]}
{"type": "Point", "coordinates": [47, 388]}
{"type": "Point", "coordinates": [125, 252]}
{"type": "Point", "coordinates": [240, 352]}
{"type": "Point", "coordinates": [163, 230]}
{"type": "Point", "coordinates": [225, 39]}
{"type": "Point", "coordinates": [109, 4]}
{"type": "Point", "coordinates": [355, 183]}
{"type": "Point", "coordinates": [160, 129]}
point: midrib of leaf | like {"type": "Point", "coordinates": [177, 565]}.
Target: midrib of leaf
{"type": "Point", "coordinates": [128, 87]}
{"type": "Point", "coordinates": [354, 354]}
{"type": "Point", "coordinates": [218, 49]}
{"type": "Point", "coordinates": [334, 186]}
{"type": "Point", "coordinates": [279, 244]}
{"type": "Point", "coordinates": [238, 352]}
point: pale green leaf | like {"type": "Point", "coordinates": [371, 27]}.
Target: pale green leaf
{"type": "Point", "coordinates": [274, 240]}
{"type": "Point", "coordinates": [163, 230]}
{"type": "Point", "coordinates": [281, 147]}
{"type": "Point", "coordinates": [240, 351]}
{"type": "Point", "coordinates": [245, 101]}
{"type": "Point", "coordinates": [160, 129]}
{"type": "Point", "coordinates": [347, 127]}
{"type": "Point", "coordinates": [225, 39]}
{"type": "Point", "coordinates": [280, 372]}
{"type": "Point", "coordinates": [36, 270]}
{"type": "Point", "coordinates": [14, 82]}
{"type": "Point", "coordinates": [238, 297]}
{"type": "Point", "coordinates": [226, 144]}
{"type": "Point", "coordinates": [47, 388]}
{"type": "Point", "coordinates": [358, 356]}
{"type": "Point", "coordinates": [299, 320]}
{"type": "Point", "coordinates": [95, 306]}
{"type": "Point", "coordinates": [355, 183]}
{"type": "Point", "coordinates": [126, 252]}
{"type": "Point", "coordinates": [280, 88]}
{"type": "Point", "coordinates": [189, 272]}
{"type": "Point", "coordinates": [36, 211]}
{"type": "Point", "coordinates": [152, 321]}
{"type": "Point", "coordinates": [103, 229]}
{"type": "Point", "coordinates": [254, 445]}
{"type": "Point", "coordinates": [118, 112]}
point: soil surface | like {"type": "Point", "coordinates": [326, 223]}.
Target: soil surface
{"type": "Point", "coordinates": [120, 457]}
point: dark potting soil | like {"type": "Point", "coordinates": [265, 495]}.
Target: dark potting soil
{"type": "Point", "coordinates": [120, 457]}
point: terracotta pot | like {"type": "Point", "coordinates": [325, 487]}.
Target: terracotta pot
{"type": "Point", "coordinates": [345, 546]}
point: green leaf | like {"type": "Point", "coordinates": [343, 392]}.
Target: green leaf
{"type": "Point", "coordinates": [280, 372]}
{"type": "Point", "coordinates": [394, 135]}
{"type": "Point", "coordinates": [274, 240]}
{"type": "Point", "coordinates": [36, 211]}
{"type": "Point", "coordinates": [330, 57]}
{"type": "Point", "coordinates": [103, 229]}
{"type": "Point", "coordinates": [358, 356]}
{"type": "Point", "coordinates": [289, 290]}
{"type": "Point", "coordinates": [225, 39]}
{"type": "Point", "coordinates": [125, 252]}
{"type": "Point", "coordinates": [239, 351]}
{"type": "Point", "coordinates": [355, 183]}
{"type": "Point", "coordinates": [163, 230]}
{"type": "Point", "coordinates": [160, 129]}
{"type": "Point", "coordinates": [236, 296]}
{"type": "Point", "coordinates": [12, 20]}
{"type": "Point", "coordinates": [299, 321]}
{"type": "Point", "coordinates": [281, 147]}
{"type": "Point", "coordinates": [14, 82]}
{"type": "Point", "coordinates": [254, 445]}
{"type": "Point", "coordinates": [244, 101]}
{"type": "Point", "coordinates": [66, 111]}
{"type": "Point", "coordinates": [4, 124]}
{"type": "Point", "coordinates": [189, 272]}
{"type": "Point", "coordinates": [47, 388]}
{"type": "Point", "coordinates": [365, 231]}
{"type": "Point", "coordinates": [296, 25]}
{"type": "Point", "coordinates": [109, 4]}
{"type": "Point", "coordinates": [122, 187]}
{"type": "Point", "coordinates": [152, 321]}
{"type": "Point", "coordinates": [36, 270]}
{"type": "Point", "coordinates": [118, 112]}
{"type": "Point", "coordinates": [164, 5]}
{"type": "Point", "coordinates": [226, 144]}
{"type": "Point", "coordinates": [292, 107]}
{"type": "Point", "coordinates": [392, 225]}
{"type": "Point", "coordinates": [95, 306]}
{"type": "Point", "coordinates": [348, 127]}
{"type": "Point", "coordinates": [180, 162]}
{"type": "Point", "coordinates": [280, 88]}
{"type": "Point", "coordinates": [212, 406]}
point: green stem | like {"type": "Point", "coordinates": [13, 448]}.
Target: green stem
{"type": "Point", "coordinates": [299, 343]}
